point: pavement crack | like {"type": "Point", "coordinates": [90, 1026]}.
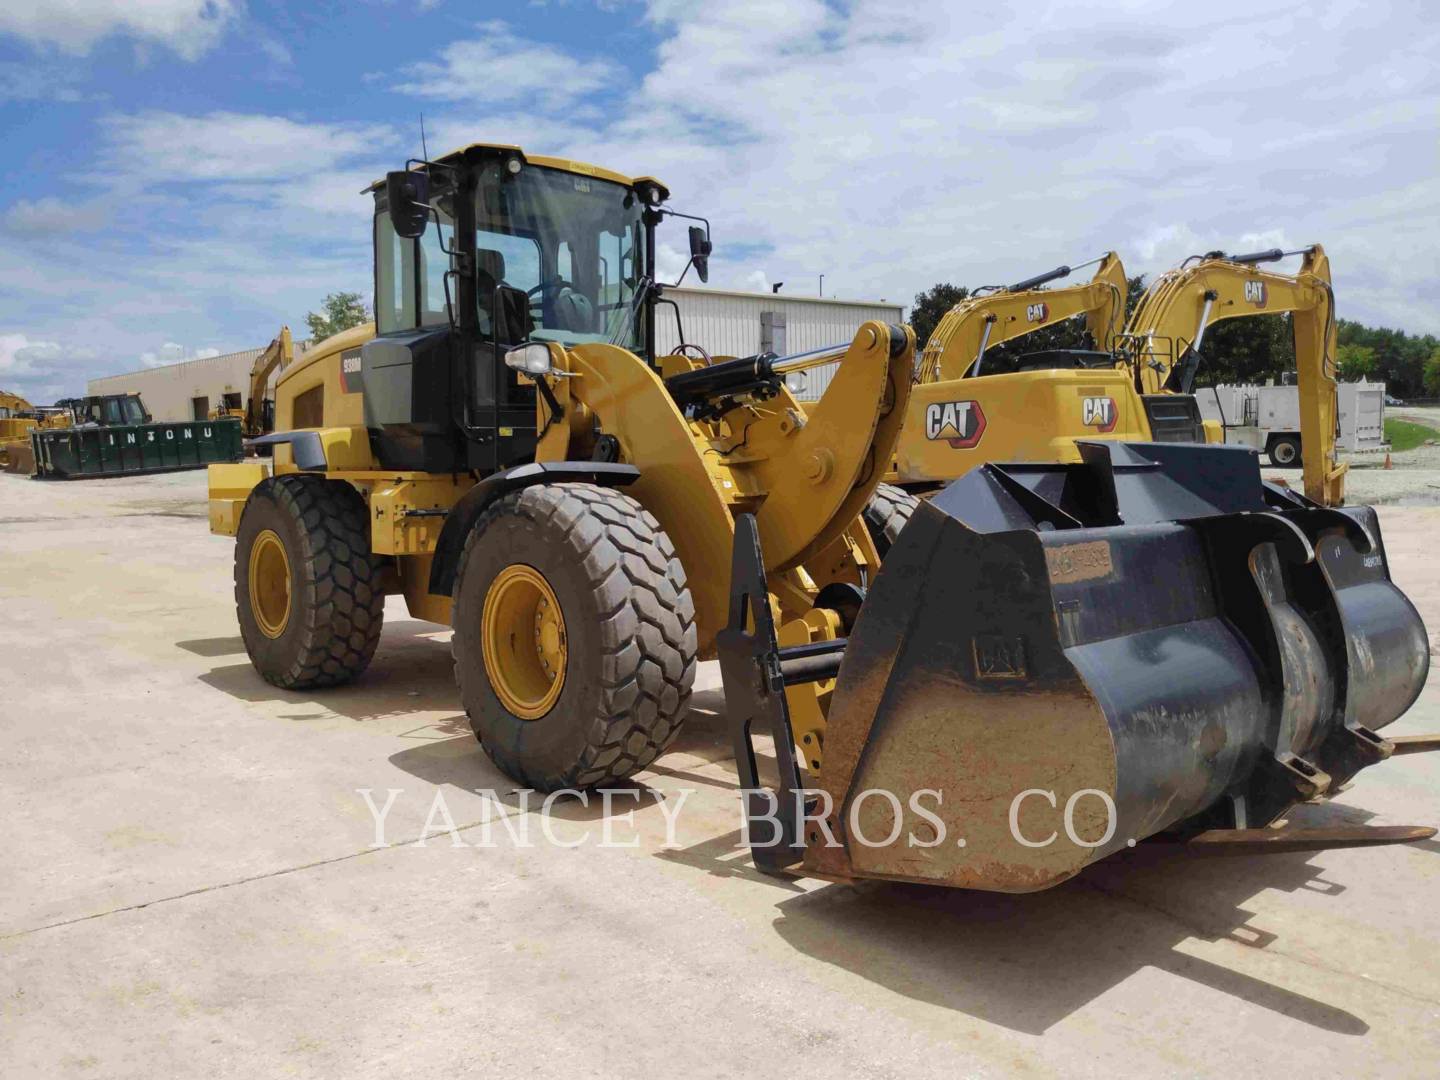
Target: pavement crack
{"type": "Point", "coordinates": [252, 878]}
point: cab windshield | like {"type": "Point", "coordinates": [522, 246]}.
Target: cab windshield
{"type": "Point", "coordinates": [569, 243]}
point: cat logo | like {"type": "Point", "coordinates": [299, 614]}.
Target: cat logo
{"type": "Point", "coordinates": [1099, 413]}
{"type": "Point", "coordinates": [1255, 293]}
{"type": "Point", "coordinates": [1037, 312]}
{"type": "Point", "coordinates": [960, 423]}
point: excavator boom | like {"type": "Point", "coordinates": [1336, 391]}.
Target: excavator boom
{"type": "Point", "coordinates": [278, 354]}
{"type": "Point", "coordinates": [979, 322]}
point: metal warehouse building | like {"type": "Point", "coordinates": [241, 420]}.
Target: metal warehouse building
{"type": "Point", "coordinates": [742, 324]}
{"type": "Point", "coordinates": [724, 322]}
{"type": "Point", "coordinates": [190, 389]}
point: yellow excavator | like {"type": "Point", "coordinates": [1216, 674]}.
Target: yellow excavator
{"type": "Point", "coordinates": [504, 448]}
{"type": "Point", "coordinates": [969, 406]}
{"type": "Point", "coordinates": [258, 416]}
{"type": "Point", "coordinates": [1163, 341]}
{"type": "Point", "coordinates": [1137, 384]}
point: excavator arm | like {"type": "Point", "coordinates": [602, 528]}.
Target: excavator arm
{"type": "Point", "coordinates": [978, 323]}
{"type": "Point", "coordinates": [1165, 337]}
{"type": "Point", "coordinates": [279, 353]}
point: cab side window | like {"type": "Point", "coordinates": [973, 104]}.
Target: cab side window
{"type": "Point", "coordinates": [394, 278]}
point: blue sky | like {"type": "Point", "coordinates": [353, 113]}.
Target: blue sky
{"type": "Point", "coordinates": [182, 176]}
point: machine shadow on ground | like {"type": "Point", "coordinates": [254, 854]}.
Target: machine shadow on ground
{"type": "Point", "coordinates": [1024, 962]}
{"type": "Point", "coordinates": [412, 672]}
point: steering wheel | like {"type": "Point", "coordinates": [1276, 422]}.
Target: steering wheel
{"type": "Point", "coordinates": [685, 347]}
{"type": "Point", "coordinates": [540, 292]}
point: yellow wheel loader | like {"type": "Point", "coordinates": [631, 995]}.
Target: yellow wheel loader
{"type": "Point", "coordinates": [505, 450]}
{"type": "Point", "coordinates": [1162, 342]}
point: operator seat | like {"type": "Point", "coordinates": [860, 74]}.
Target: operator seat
{"type": "Point", "coordinates": [503, 307]}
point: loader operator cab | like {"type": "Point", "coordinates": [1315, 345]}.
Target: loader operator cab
{"type": "Point", "coordinates": [481, 252]}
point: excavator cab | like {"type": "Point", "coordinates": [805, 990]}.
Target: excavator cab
{"type": "Point", "coordinates": [970, 406]}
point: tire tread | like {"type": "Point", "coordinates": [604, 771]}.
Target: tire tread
{"type": "Point", "coordinates": [346, 604]}
{"type": "Point", "coordinates": [647, 628]}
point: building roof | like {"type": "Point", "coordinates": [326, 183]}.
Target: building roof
{"type": "Point", "coordinates": [301, 347]}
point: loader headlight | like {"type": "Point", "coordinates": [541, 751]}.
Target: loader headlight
{"type": "Point", "coordinates": [533, 359]}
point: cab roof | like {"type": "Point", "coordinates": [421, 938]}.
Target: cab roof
{"type": "Point", "coordinates": [580, 168]}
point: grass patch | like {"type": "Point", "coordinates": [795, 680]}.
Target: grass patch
{"type": "Point", "coordinates": [1406, 435]}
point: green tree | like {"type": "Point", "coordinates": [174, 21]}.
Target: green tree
{"type": "Point", "coordinates": [342, 310]}
{"type": "Point", "coordinates": [1432, 374]}
{"type": "Point", "coordinates": [930, 306]}
{"type": "Point", "coordinates": [1355, 361]}
{"type": "Point", "coordinates": [1249, 349]}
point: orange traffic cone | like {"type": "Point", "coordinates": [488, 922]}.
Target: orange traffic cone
{"type": "Point", "coordinates": [1387, 460]}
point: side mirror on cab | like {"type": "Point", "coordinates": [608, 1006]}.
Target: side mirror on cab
{"type": "Point", "coordinates": [407, 194]}
{"type": "Point", "coordinates": [700, 248]}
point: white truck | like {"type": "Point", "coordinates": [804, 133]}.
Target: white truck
{"type": "Point", "coordinates": [1268, 418]}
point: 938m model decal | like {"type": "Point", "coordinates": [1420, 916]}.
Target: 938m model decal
{"type": "Point", "coordinates": [960, 423]}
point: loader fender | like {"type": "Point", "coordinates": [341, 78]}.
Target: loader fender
{"type": "Point", "coordinates": [472, 504]}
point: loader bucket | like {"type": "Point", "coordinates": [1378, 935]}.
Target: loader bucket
{"type": "Point", "coordinates": [1058, 661]}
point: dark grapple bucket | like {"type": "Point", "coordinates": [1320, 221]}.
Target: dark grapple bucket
{"type": "Point", "coordinates": [1056, 661]}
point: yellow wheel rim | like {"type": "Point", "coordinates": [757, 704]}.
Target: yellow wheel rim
{"type": "Point", "coordinates": [522, 633]}
{"type": "Point", "coordinates": [270, 583]}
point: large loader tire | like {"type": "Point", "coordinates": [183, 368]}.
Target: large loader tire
{"type": "Point", "coordinates": [307, 589]}
{"type": "Point", "coordinates": [886, 514]}
{"type": "Point", "coordinates": [574, 636]}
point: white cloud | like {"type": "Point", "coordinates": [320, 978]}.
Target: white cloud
{"type": "Point", "coordinates": [502, 67]}
{"type": "Point", "coordinates": [189, 28]}
{"type": "Point", "coordinates": [275, 50]}
{"type": "Point", "coordinates": [49, 216]}
{"type": "Point", "coordinates": [19, 354]}
{"type": "Point", "coordinates": [669, 262]}
{"type": "Point", "coordinates": [172, 352]}
{"type": "Point", "coordinates": [896, 145]}
{"type": "Point", "coordinates": [38, 82]}
{"type": "Point", "coordinates": [40, 370]}
{"type": "Point", "coordinates": [234, 146]}
{"type": "Point", "coordinates": [886, 145]}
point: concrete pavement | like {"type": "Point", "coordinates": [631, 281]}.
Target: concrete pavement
{"type": "Point", "coordinates": [190, 886]}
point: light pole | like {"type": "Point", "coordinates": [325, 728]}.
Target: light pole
{"type": "Point", "coordinates": [822, 285]}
